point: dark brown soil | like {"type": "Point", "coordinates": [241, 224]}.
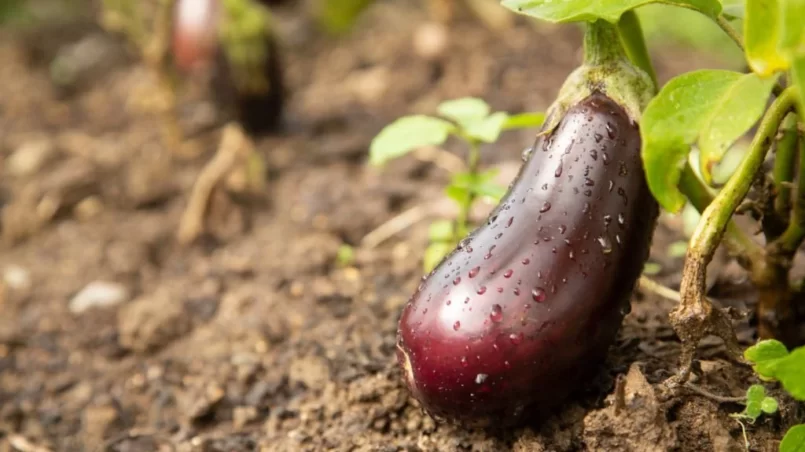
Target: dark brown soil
{"type": "Point", "coordinates": [258, 338]}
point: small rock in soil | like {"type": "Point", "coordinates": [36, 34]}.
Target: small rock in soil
{"type": "Point", "coordinates": [97, 423]}
{"type": "Point", "coordinates": [30, 156]}
{"type": "Point", "coordinates": [126, 257]}
{"type": "Point", "coordinates": [17, 278]}
{"type": "Point", "coordinates": [98, 294]}
{"type": "Point", "coordinates": [431, 40]}
{"type": "Point", "coordinates": [200, 399]}
{"type": "Point", "coordinates": [242, 415]}
{"type": "Point", "coordinates": [151, 322]}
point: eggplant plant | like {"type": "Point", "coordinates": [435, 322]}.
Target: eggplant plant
{"type": "Point", "coordinates": [495, 317]}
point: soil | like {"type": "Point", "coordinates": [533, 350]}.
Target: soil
{"type": "Point", "coordinates": [115, 337]}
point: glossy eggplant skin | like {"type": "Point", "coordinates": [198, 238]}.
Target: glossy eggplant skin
{"type": "Point", "coordinates": [512, 321]}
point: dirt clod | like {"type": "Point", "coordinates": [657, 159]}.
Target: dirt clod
{"type": "Point", "coordinates": [152, 321]}
{"type": "Point", "coordinates": [638, 425]}
{"type": "Point", "coordinates": [98, 422]}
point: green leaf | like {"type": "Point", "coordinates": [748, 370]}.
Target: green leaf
{"type": "Point", "coordinates": [690, 219]}
{"type": "Point", "coordinates": [345, 255]}
{"type": "Point", "coordinates": [738, 108]}
{"type": "Point", "coordinates": [754, 399]}
{"type": "Point", "coordinates": [752, 410]}
{"type": "Point", "coordinates": [794, 439]}
{"type": "Point", "coordinates": [792, 39]}
{"type": "Point", "coordinates": [557, 11]}
{"type": "Point", "coordinates": [440, 231]}
{"type": "Point", "coordinates": [678, 249]}
{"type": "Point", "coordinates": [481, 184]}
{"type": "Point", "coordinates": [651, 268]}
{"type": "Point", "coordinates": [733, 8]}
{"type": "Point", "coordinates": [489, 190]}
{"type": "Point", "coordinates": [524, 121]}
{"type": "Point", "coordinates": [792, 43]}
{"type": "Point", "coordinates": [434, 254]}
{"type": "Point", "coordinates": [487, 129]}
{"type": "Point", "coordinates": [790, 371]}
{"type": "Point", "coordinates": [730, 162]}
{"type": "Point", "coordinates": [406, 134]}
{"type": "Point", "coordinates": [769, 405]}
{"type": "Point", "coordinates": [762, 34]}
{"type": "Point", "coordinates": [338, 16]}
{"type": "Point", "coordinates": [755, 393]}
{"type": "Point", "coordinates": [14, 12]}
{"type": "Point", "coordinates": [488, 175]}
{"type": "Point", "coordinates": [765, 355]}
{"type": "Point", "coordinates": [661, 24]}
{"type": "Point", "coordinates": [459, 194]}
{"type": "Point", "coordinates": [672, 122]}
{"type": "Point", "coordinates": [466, 179]}
{"type": "Point", "coordinates": [464, 110]}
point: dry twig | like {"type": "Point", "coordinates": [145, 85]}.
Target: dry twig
{"type": "Point", "coordinates": [234, 149]}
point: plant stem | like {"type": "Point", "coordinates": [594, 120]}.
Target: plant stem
{"type": "Point", "coordinates": [717, 215]}
{"type": "Point", "coordinates": [695, 317]}
{"type": "Point", "coordinates": [749, 253]}
{"type": "Point", "coordinates": [731, 32]}
{"type": "Point", "coordinates": [783, 172]}
{"type": "Point", "coordinates": [602, 44]}
{"type": "Point", "coordinates": [473, 159]}
{"type": "Point", "coordinates": [792, 237]}
{"type": "Point", "coordinates": [631, 35]}
{"type": "Point", "coordinates": [775, 312]}
{"type": "Point", "coordinates": [155, 54]}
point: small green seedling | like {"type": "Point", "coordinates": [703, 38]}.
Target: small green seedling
{"type": "Point", "coordinates": [337, 17]}
{"type": "Point", "coordinates": [757, 403]}
{"type": "Point", "coordinates": [345, 255]}
{"type": "Point", "coordinates": [471, 120]}
{"type": "Point", "coordinates": [772, 361]}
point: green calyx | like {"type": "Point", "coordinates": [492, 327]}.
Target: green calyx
{"type": "Point", "coordinates": [245, 30]}
{"type": "Point", "coordinates": [606, 69]}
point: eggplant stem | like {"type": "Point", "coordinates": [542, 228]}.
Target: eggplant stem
{"type": "Point", "coordinates": [602, 45]}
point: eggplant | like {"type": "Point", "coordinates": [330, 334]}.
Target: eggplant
{"type": "Point", "coordinates": [526, 307]}
{"type": "Point", "coordinates": [195, 33]}
{"type": "Point", "coordinates": [246, 80]}
{"type": "Point", "coordinates": [260, 110]}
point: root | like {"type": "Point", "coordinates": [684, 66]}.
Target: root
{"type": "Point", "coordinates": [715, 397]}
